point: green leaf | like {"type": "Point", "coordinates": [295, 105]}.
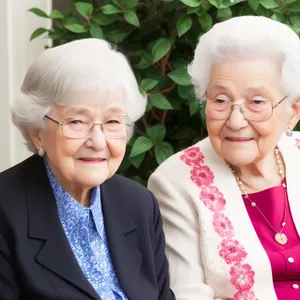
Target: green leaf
{"type": "Point", "coordinates": [160, 101]}
{"type": "Point", "coordinates": [148, 84]}
{"type": "Point", "coordinates": [185, 91]}
{"type": "Point", "coordinates": [76, 27]}
{"type": "Point", "coordinates": [96, 31]}
{"type": "Point", "coordinates": [110, 9]}
{"type": "Point", "coordinates": [293, 7]}
{"type": "Point", "coordinates": [55, 34]}
{"type": "Point", "coordinates": [162, 151]}
{"type": "Point", "coordinates": [117, 35]}
{"type": "Point", "coordinates": [180, 76]}
{"type": "Point", "coordinates": [160, 49]}
{"type": "Point", "coordinates": [194, 105]}
{"type": "Point", "coordinates": [183, 25]}
{"type": "Point", "coordinates": [145, 62]}
{"type": "Point", "coordinates": [295, 20]}
{"type": "Point", "coordinates": [149, 106]}
{"type": "Point", "coordinates": [269, 4]}
{"type": "Point", "coordinates": [55, 14]}
{"type": "Point", "coordinates": [84, 9]}
{"type": "Point", "coordinates": [205, 21]}
{"type": "Point", "coordinates": [141, 145]}
{"type": "Point", "coordinates": [254, 4]}
{"type": "Point", "coordinates": [137, 160]}
{"type": "Point", "coordinates": [38, 12]}
{"type": "Point", "coordinates": [224, 14]}
{"type": "Point", "coordinates": [156, 133]}
{"type": "Point", "coordinates": [117, 3]}
{"type": "Point", "coordinates": [191, 3]}
{"type": "Point", "coordinates": [130, 4]}
{"type": "Point", "coordinates": [104, 20]}
{"type": "Point", "coordinates": [37, 33]}
{"type": "Point", "coordinates": [193, 10]}
{"type": "Point", "coordinates": [216, 3]}
{"type": "Point", "coordinates": [131, 17]}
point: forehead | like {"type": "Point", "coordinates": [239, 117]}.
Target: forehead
{"type": "Point", "coordinates": [250, 74]}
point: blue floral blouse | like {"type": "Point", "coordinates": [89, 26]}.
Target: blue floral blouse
{"type": "Point", "coordinates": [84, 228]}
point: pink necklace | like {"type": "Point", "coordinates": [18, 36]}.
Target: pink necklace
{"type": "Point", "coordinates": [279, 236]}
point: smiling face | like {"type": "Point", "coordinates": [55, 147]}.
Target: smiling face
{"type": "Point", "coordinates": [236, 139]}
{"type": "Point", "coordinates": [82, 163]}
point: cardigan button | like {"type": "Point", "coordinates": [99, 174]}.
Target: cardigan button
{"type": "Point", "coordinates": [295, 286]}
{"type": "Point", "coordinates": [291, 260]}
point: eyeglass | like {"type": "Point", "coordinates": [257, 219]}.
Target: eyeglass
{"type": "Point", "coordinates": [252, 110]}
{"type": "Point", "coordinates": [77, 127]}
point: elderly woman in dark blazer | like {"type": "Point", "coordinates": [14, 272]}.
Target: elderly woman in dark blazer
{"type": "Point", "coordinates": [69, 227]}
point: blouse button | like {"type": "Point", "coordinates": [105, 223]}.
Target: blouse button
{"type": "Point", "coordinates": [295, 286]}
{"type": "Point", "coordinates": [291, 260]}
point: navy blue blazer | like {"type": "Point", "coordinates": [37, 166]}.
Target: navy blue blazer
{"type": "Point", "coordinates": [36, 260]}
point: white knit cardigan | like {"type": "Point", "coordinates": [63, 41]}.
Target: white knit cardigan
{"type": "Point", "coordinates": [212, 247]}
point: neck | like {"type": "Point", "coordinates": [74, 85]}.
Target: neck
{"type": "Point", "coordinates": [262, 174]}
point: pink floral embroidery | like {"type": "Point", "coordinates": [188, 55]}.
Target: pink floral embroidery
{"type": "Point", "coordinates": [232, 251]}
{"type": "Point", "coordinates": [193, 156]}
{"type": "Point", "coordinates": [212, 198]}
{"type": "Point", "coordinates": [242, 277]}
{"type": "Point", "coordinates": [222, 225]}
{"type": "Point", "coordinates": [202, 175]}
{"type": "Point", "coordinates": [246, 295]}
{"type": "Point", "coordinates": [298, 143]}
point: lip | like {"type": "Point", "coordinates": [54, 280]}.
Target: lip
{"type": "Point", "coordinates": [238, 139]}
{"type": "Point", "coordinates": [92, 160]}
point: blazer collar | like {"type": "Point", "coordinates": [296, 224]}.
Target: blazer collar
{"type": "Point", "coordinates": [56, 253]}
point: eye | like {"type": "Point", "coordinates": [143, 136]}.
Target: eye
{"type": "Point", "coordinates": [76, 122]}
{"type": "Point", "coordinates": [220, 101]}
{"type": "Point", "coordinates": [257, 102]}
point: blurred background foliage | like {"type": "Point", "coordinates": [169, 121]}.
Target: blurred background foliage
{"type": "Point", "coordinates": [159, 37]}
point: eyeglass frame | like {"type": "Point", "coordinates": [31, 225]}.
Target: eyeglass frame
{"type": "Point", "coordinates": [240, 105]}
{"type": "Point", "coordinates": [91, 129]}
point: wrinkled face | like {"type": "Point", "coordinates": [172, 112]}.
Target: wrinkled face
{"type": "Point", "coordinates": [236, 139]}
{"type": "Point", "coordinates": [83, 162]}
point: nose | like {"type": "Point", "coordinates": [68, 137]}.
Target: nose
{"type": "Point", "coordinates": [236, 119]}
{"type": "Point", "coordinates": [96, 138]}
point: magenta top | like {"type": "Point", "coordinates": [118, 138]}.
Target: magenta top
{"type": "Point", "coordinates": [285, 259]}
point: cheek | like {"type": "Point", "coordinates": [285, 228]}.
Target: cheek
{"type": "Point", "coordinates": [117, 148]}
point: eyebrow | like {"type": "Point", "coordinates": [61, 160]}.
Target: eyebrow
{"type": "Point", "coordinates": [252, 90]}
{"type": "Point", "coordinates": [77, 111]}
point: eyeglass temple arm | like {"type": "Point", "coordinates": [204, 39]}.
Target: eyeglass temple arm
{"type": "Point", "coordinates": [47, 117]}
{"type": "Point", "coordinates": [275, 105]}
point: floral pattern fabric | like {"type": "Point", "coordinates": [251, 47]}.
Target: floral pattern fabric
{"type": "Point", "coordinates": [84, 229]}
{"type": "Point", "coordinates": [231, 250]}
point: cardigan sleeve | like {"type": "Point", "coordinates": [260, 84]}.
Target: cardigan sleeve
{"type": "Point", "coordinates": [181, 227]}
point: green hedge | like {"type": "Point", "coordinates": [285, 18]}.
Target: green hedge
{"type": "Point", "coordinates": [159, 37]}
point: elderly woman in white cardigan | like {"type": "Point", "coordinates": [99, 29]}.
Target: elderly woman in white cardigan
{"type": "Point", "coordinates": [231, 203]}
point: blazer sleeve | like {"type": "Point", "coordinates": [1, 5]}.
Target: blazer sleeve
{"type": "Point", "coordinates": [161, 263]}
{"type": "Point", "coordinates": [181, 226]}
{"type": "Point", "coordinates": [8, 280]}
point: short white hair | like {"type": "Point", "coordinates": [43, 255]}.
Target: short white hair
{"type": "Point", "coordinates": [78, 66]}
{"type": "Point", "coordinates": [248, 37]}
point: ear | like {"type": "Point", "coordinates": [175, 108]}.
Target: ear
{"type": "Point", "coordinates": [296, 114]}
{"type": "Point", "coordinates": [35, 135]}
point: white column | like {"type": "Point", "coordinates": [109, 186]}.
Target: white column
{"type": "Point", "coordinates": [16, 54]}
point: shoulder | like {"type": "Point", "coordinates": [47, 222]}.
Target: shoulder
{"type": "Point", "coordinates": [132, 194]}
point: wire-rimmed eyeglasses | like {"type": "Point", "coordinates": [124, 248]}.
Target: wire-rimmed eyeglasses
{"type": "Point", "coordinates": [252, 110]}
{"type": "Point", "coordinates": [77, 127]}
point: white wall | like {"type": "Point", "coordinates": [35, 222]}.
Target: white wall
{"type": "Point", "coordinates": [16, 54]}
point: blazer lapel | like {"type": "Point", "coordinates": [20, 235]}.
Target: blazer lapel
{"type": "Point", "coordinates": [44, 224]}
{"type": "Point", "coordinates": [119, 228]}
